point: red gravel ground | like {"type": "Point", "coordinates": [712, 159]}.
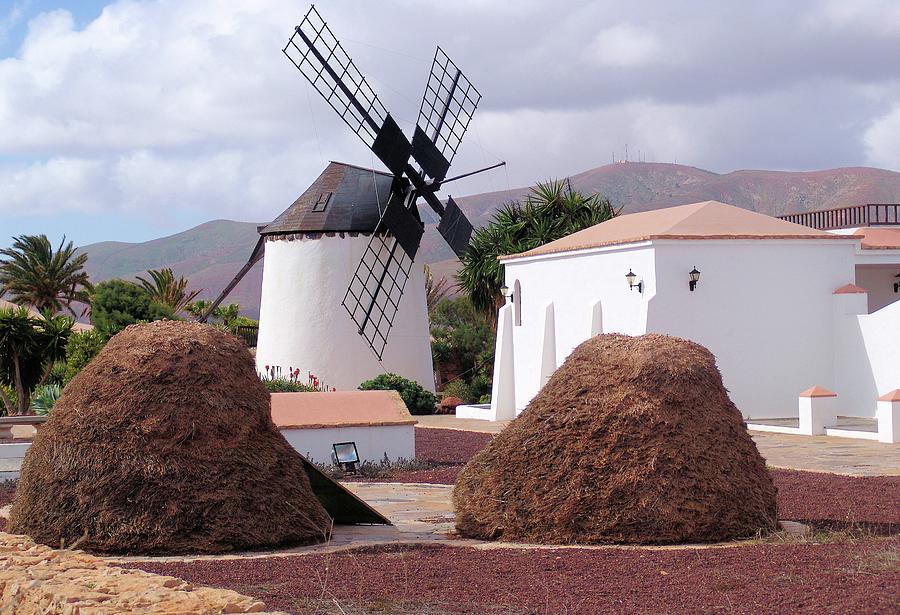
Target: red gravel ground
{"type": "Point", "coordinates": [850, 577]}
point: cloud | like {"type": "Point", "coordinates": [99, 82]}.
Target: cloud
{"type": "Point", "coordinates": [189, 105]}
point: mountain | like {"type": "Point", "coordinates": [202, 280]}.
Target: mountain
{"type": "Point", "coordinates": [209, 254]}
{"type": "Point", "coordinates": [641, 186]}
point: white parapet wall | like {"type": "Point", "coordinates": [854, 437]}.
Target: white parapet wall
{"type": "Point", "coordinates": [378, 422]}
{"type": "Point", "coordinates": [373, 442]}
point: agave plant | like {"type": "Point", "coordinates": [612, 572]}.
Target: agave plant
{"type": "Point", "coordinates": [44, 397]}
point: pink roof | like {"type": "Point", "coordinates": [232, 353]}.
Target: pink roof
{"type": "Point", "coordinates": [706, 220]}
{"type": "Point", "coordinates": [339, 409]}
{"type": "Point", "coordinates": [879, 237]}
{"type": "Point", "coordinates": [891, 396]}
{"type": "Point", "coordinates": [817, 391]}
{"type": "Point", "coordinates": [850, 289]}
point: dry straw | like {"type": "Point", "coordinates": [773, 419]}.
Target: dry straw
{"type": "Point", "coordinates": [632, 440]}
{"type": "Point", "coordinates": [164, 443]}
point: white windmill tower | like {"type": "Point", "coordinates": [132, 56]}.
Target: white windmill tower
{"type": "Point", "coordinates": [351, 239]}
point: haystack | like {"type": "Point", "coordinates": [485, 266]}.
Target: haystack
{"type": "Point", "coordinates": [164, 443]}
{"type": "Point", "coordinates": [632, 440]}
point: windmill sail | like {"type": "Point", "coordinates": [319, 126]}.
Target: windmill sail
{"type": "Point", "coordinates": [376, 288]}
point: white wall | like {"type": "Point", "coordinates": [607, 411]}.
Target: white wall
{"type": "Point", "coordinates": [867, 358]}
{"type": "Point", "coordinates": [303, 324]}
{"type": "Point", "coordinates": [574, 284]}
{"type": "Point", "coordinates": [764, 308]}
{"type": "Point", "coordinates": [372, 442]}
{"type": "Point", "coordinates": [879, 281]}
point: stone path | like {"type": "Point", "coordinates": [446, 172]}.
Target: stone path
{"type": "Point", "coordinates": [811, 453]}
{"type": "Point", "coordinates": [36, 580]}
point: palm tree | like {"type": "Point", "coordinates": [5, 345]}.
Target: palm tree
{"type": "Point", "coordinates": [29, 346]}
{"type": "Point", "coordinates": [35, 274]}
{"type": "Point", "coordinates": [551, 210]}
{"type": "Point", "coordinates": [167, 290]}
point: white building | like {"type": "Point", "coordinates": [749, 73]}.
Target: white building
{"type": "Point", "coordinates": [782, 306]}
{"type": "Point", "coordinates": [376, 422]}
{"type": "Point", "coordinates": [311, 252]}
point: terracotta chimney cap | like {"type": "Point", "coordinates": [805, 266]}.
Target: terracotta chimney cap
{"type": "Point", "coordinates": [818, 391]}
{"type": "Point", "coordinates": [850, 289]}
{"type": "Point", "coordinates": [891, 396]}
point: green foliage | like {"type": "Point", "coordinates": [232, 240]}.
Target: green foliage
{"type": "Point", "coordinates": [417, 399]}
{"type": "Point", "coordinates": [29, 347]}
{"type": "Point", "coordinates": [117, 304]}
{"type": "Point", "coordinates": [550, 211]}
{"type": "Point", "coordinates": [223, 314]}
{"type": "Point", "coordinates": [81, 348]}
{"type": "Point", "coordinates": [164, 288]}
{"type": "Point", "coordinates": [462, 344]}
{"type": "Point", "coordinates": [241, 321]}
{"type": "Point", "coordinates": [7, 397]}
{"type": "Point", "coordinates": [485, 399]}
{"type": "Point", "coordinates": [35, 274]}
{"type": "Point", "coordinates": [285, 385]}
{"type": "Point", "coordinates": [458, 388]}
{"type": "Point", "coordinates": [44, 397]}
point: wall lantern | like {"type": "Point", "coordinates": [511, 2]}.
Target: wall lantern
{"type": "Point", "coordinates": [897, 284]}
{"type": "Point", "coordinates": [504, 290]}
{"type": "Point", "coordinates": [630, 276]}
{"type": "Point", "coordinates": [346, 455]}
{"type": "Point", "coordinates": [695, 277]}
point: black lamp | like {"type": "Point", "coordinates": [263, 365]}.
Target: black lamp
{"type": "Point", "coordinates": [504, 290]}
{"type": "Point", "coordinates": [346, 455]}
{"type": "Point", "coordinates": [630, 276]}
{"type": "Point", "coordinates": [695, 277]}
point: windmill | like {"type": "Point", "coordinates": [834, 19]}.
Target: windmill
{"type": "Point", "coordinates": [383, 208]}
{"type": "Point", "coordinates": [448, 105]}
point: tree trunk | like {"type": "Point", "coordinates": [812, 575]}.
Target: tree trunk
{"type": "Point", "coordinates": [7, 403]}
{"type": "Point", "coordinates": [20, 389]}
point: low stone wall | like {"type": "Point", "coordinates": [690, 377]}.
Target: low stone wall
{"type": "Point", "coordinates": [35, 579]}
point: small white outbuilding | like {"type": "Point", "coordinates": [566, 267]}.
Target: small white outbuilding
{"type": "Point", "coordinates": [772, 302]}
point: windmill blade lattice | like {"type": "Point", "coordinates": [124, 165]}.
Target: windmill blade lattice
{"type": "Point", "coordinates": [375, 291]}
{"type": "Point", "coordinates": [318, 54]}
{"type": "Point", "coordinates": [449, 102]}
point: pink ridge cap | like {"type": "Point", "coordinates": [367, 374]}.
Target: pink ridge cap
{"type": "Point", "coordinates": [818, 391]}
{"type": "Point", "coordinates": [891, 396]}
{"type": "Point", "coordinates": [850, 289]}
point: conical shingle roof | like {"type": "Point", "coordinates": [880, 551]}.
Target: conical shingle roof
{"type": "Point", "coordinates": [344, 198]}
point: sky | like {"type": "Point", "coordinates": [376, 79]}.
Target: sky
{"type": "Point", "coordinates": [135, 119]}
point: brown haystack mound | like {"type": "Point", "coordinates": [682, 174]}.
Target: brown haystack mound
{"type": "Point", "coordinates": [164, 443]}
{"type": "Point", "coordinates": [632, 440]}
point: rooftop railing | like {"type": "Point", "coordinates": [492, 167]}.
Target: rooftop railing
{"type": "Point", "coordinates": [870, 214]}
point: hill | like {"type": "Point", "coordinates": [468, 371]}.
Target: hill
{"type": "Point", "coordinates": [211, 253]}
{"type": "Point", "coordinates": [208, 255]}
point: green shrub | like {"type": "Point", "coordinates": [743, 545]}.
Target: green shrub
{"type": "Point", "coordinates": [117, 304]}
{"type": "Point", "coordinates": [80, 349]}
{"type": "Point", "coordinates": [417, 399]}
{"type": "Point", "coordinates": [44, 397]}
{"type": "Point", "coordinates": [459, 388]}
{"type": "Point", "coordinates": [283, 385]}
{"type": "Point", "coordinates": [241, 321]}
{"type": "Point", "coordinates": [485, 399]}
